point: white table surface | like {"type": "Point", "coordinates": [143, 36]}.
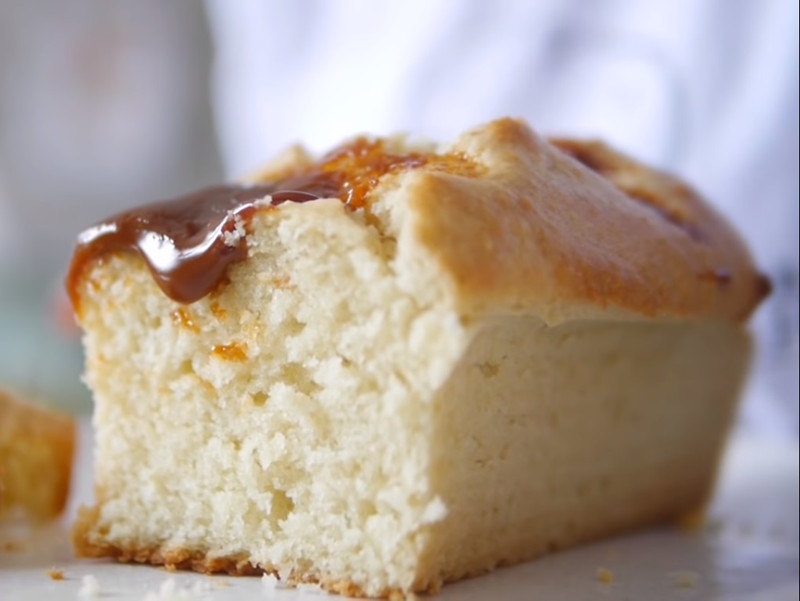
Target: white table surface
{"type": "Point", "coordinates": [748, 552]}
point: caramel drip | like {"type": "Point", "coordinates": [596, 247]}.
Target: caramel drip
{"type": "Point", "coordinates": [189, 242]}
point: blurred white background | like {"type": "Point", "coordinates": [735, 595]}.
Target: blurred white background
{"type": "Point", "coordinates": [103, 104]}
{"type": "Point", "coordinates": [107, 103]}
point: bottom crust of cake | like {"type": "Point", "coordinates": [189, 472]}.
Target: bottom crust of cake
{"type": "Point", "coordinates": [239, 565]}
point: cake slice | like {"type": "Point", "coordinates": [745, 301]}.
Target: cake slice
{"type": "Point", "coordinates": [36, 451]}
{"type": "Point", "coordinates": [397, 366]}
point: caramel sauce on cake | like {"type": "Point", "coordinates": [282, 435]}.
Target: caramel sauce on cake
{"type": "Point", "coordinates": [189, 242]}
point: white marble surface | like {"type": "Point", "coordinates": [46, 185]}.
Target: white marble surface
{"type": "Point", "coordinates": [749, 552]}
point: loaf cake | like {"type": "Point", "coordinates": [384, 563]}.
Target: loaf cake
{"type": "Point", "coordinates": [399, 365]}
{"type": "Point", "coordinates": [36, 451]}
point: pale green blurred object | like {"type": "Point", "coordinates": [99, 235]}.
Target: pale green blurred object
{"type": "Point", "coordinates": [38, 358]}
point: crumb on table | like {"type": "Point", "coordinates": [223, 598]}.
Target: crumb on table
{"type": "Point", "coordinates": [90, 587]}
{"type": "Point", "coordinates": [605, 575]}
{"type": "Point", "coordinates": [200, 587]}
{"type": "Point", "coordinates": [55, 574]}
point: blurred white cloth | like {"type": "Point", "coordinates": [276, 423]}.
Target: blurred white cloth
{"type": "Point", "coordinates": [705, 88]}
{"type": "Point", "coordinates": [103, 104]}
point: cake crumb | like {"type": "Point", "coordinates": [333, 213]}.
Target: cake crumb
{"type": "Point", "coordinates": [263, 203]}
{"type": "Point", "coordinates": [55, 574]}
{"type": "Point", "coordinates": [201, 587]}
{"type": "Point", "coordinates": [685, 579]}
{"type": "Point", "coordinates": [605, 575]}
{"type": "Point", "coordinates": [232, 237]}
{"type": "Point", "coordinates": [90, 587]}
{"type": "Point", "coordinates": [435, 511]}
{"type": "Point", "coordinates": [169, 591]}
{"type": "Point", "coordinates": [221, 584]}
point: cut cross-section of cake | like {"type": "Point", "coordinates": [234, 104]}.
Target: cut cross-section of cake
{"type": "Point", "coordinates": [397, 366]}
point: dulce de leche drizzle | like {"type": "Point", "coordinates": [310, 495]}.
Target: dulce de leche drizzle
{"type": "Point", "coordinates": [189, 242]}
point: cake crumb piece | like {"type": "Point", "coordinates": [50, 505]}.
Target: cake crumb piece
{"type": "Point", "coordinates": [90, 587]}
{"type": "Point", "coordinates": [263, 203]}
{"type": "Point", "coordinates": [201, 587]}
{"type": "Point", "coordinates": [685, 579]}
{"type": "Point", "coordinates": [232, 237]}
{"type": "Point", "coordinates": [55, 574]}
{"type": "Point", "coordinates": [168, 591]}
{"type": "Point", "coordinates": [605, 575]}
{"type": "Point", "coordinates": [221, 584]}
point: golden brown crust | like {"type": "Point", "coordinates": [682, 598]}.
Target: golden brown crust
{"type": "Point", "coordinates": [198, 561]}
{"type": "Point", "coordinates": [541, 232]}
{"type": "Point", "coordinates": [34, 440]}
{"type": "Point", "coordinates": [173, 559]}
{"type": "Point", "coordinates": [564, 230]}
{"type": "Point", "coordinates": [193, 560]}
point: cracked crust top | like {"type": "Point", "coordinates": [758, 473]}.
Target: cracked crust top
{"type": "Point", "coordinates": [568, 229]}
{"type": "Point", "coordinates": [565, 229]}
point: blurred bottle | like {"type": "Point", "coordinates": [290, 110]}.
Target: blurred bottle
{"type": "Point", "coordinates": [103, 104]}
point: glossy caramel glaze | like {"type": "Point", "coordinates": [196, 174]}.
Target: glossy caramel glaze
{"type": "Point", "coordinates": [189, 242]}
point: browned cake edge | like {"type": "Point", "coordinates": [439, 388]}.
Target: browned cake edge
{"type": "Point", "coordinates": [239, 565]}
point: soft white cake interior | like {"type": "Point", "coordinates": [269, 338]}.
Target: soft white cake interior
{"type": "Point", "coordinates": [330, 415]}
